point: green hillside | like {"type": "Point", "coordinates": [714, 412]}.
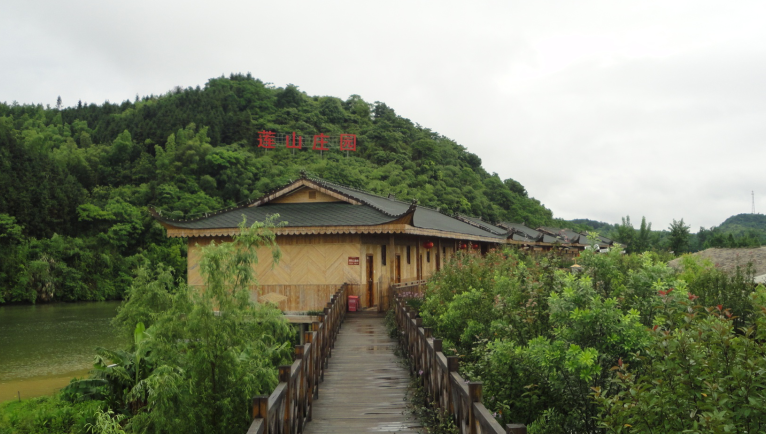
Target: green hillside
{"type": "Point", "coordinates": [742, 224]}
{"type": "Point", "coordinates": [75, 182]}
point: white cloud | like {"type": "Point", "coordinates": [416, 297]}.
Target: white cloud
{"type": "Point", "coordinates": [599, 108]}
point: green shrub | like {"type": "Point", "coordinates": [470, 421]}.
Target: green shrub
{"type": "Point", "coordinates": [47, 415]}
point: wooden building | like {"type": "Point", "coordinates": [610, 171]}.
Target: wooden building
{"type": "Point", "coordinates": [334, 234]}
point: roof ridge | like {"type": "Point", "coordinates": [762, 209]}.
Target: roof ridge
{"type": "Point", "coordinates": [467, 219]}
{"type": "Point", "coordinates": [324, 184]}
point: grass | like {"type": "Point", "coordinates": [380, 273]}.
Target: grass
{"type": "Point", "coordinates": [47, 415]}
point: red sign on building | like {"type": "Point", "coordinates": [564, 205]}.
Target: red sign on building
{"type": "Point", "coordinates": [353, 260]}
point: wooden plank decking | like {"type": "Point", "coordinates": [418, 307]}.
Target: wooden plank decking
{"type": "Point", "coordinates": [365, 386]}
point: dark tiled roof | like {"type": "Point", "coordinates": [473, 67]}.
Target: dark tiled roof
{"type": "Point", "coordinates": [521, 237]}
{"type": "Point", "coordinates": [295, 214]}
{"type": "Point", "coordinates": [431, 219]}
{"type": "Point", "coordinates": [487, 226]}
{"type": "Point", "coordinates": [425, 218]}
{"type": "Point", "coordinates": [375, 210]}
{"type": "Point", "coordinates": [519, 228]}
{"type": "Point", "coordinates": [570, 236]}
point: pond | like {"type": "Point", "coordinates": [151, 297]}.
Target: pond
{"type": "Point", "coordinates": [44, 346]}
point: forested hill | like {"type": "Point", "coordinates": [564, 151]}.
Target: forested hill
{"type": "Point", "coordinates": [743, 223]}
{"type": "Point", "coordinates": [75, 182]}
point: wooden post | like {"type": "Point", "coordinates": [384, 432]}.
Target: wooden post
{"type": "Point", "coordinates": [515, 428]}
{"type": "Point", "coordinates": [391, 271]}
{"type": "Point", "coordinates": [419, 271]}
{"type": "Point", "coordinates": [261, 407]}
{"type": "Point", "coordinates": [315, 326]}
{"type": "Point", "coordinates": [328, 325]}
{"type": "Point", "coordinates": [474, 395]}
{"type": "Point", "coordinates": [284, 377]}
{"type": "Point", "coordinates": [310, 373]}
{"type": "Point", "coordinates": [453, 363]}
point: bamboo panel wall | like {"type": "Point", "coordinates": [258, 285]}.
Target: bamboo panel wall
{"type": "Point", "coordinates": [302, 196]}
{"type": "Point", "coordinates": [300, 298]}
{"type": "Point", "coordinates": [306, 260]}
{"type": "Point", "coordinates": [303, 264]}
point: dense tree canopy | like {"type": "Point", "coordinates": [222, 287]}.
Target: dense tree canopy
{"type": "Point", "coordinates": [76, 181]}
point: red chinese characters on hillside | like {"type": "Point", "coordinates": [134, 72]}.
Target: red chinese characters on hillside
{"type": "Point", "coordinates": [320, 142]}
{"type": "Point", "coordinates": [266, 139]}
{"type": "Point", "coordinates": [348, 142]}
{"type": "Point", "coordinates": [294, 144]}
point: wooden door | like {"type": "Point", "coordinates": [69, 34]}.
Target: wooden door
{"type": "Point", "coordinates": [398, 270]}
{"type": "Point", "coordinates": [370, 281]}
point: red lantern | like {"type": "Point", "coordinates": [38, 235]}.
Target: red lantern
{"type": "Point", "coordinates": [464, 246]}
{"type": "Point", "coordinates": [475, 246]}
{"type": "Point", "coordinates": [428, 244]}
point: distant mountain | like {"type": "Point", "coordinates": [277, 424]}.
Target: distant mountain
{"type": "Point", "coordinates": [742, 224]}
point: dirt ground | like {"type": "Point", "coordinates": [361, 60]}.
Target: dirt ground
{"type": "Point", "coordinates": [728, 259]}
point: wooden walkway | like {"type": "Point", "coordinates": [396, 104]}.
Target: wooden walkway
{"type": "Point", "coordinates": [365, 386]}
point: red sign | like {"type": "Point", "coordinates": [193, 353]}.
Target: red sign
{"type": "Point", "coordinates": [353, 260]}
{"type": "Point", "coordinates": [320, 142]}
{"type": "Point", "coordinates": [266, 139]}
{"type": "Point", "coordinates": [348, 142]}
{"type": "Point", "coordinates": [294, 144]}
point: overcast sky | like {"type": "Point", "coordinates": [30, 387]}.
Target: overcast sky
{"type": "Point", "coordinates": [599, 108]}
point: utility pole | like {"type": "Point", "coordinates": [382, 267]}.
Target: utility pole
{"type": "Point", "coordinates": [752, 193]}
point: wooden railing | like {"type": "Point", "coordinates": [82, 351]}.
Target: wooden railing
{"type": "Point", "coordinates": [289, 407]}
{"type": "Point", "coordinates": [410, 287]}
{"type": "Point", "coordinates": [438, 375]}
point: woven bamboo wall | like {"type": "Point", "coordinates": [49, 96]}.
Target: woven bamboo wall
{"type": "Point", "coordinates": [302, 196]}
{"type": "Point", "coordinates": [306, 260]}
{"type": "Point", "coordinates": [300, 298]}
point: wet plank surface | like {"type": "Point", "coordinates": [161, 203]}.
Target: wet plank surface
{"type": "Point", "coordinates": [365, 385]}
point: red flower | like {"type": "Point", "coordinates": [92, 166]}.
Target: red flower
{"type": "Point", "coordinates": [720, 306]}
{"type": "Point", "coordinates": [663, 292]}
{"type": "Point", "coordinates": [654, 329]}
{"type": "Point", "coordinates": [693, 297]}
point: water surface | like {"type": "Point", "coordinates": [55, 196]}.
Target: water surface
{"type": "Point", "coordinates": [43, 346]}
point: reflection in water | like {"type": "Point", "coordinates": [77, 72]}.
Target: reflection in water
{"type": "Point", "coordinates": [43, 346]}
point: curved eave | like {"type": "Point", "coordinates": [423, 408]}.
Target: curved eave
{"type": "Point", "coordinates": [391, 228]}
{"type": "Point", "coordinates": [176, 232]}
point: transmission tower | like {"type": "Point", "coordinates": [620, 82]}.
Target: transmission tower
{"type": "Point", "coordinates": [752, 193]}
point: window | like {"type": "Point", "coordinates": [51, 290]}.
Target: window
{"type": "Point", "coordinates": [444, 251]}
{"type": "Point", "coordinates": [383, 254]}
{"type": "Point", "coordinates": [408, 254]}
{"type": "Point", "coordinates": [428, 256]}
{"type": "Point", "coordinates": [312, 194]}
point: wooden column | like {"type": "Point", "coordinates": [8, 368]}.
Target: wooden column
{"type": "Point", "coordinates": [439, 254]}
{"type": "Point", "coordinates": [418, 267]}
{"type": "Point", "coordinates": [384, 292]}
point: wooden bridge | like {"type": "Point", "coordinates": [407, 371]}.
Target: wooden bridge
{"type": "Point", "coordinates": [364, 386]}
